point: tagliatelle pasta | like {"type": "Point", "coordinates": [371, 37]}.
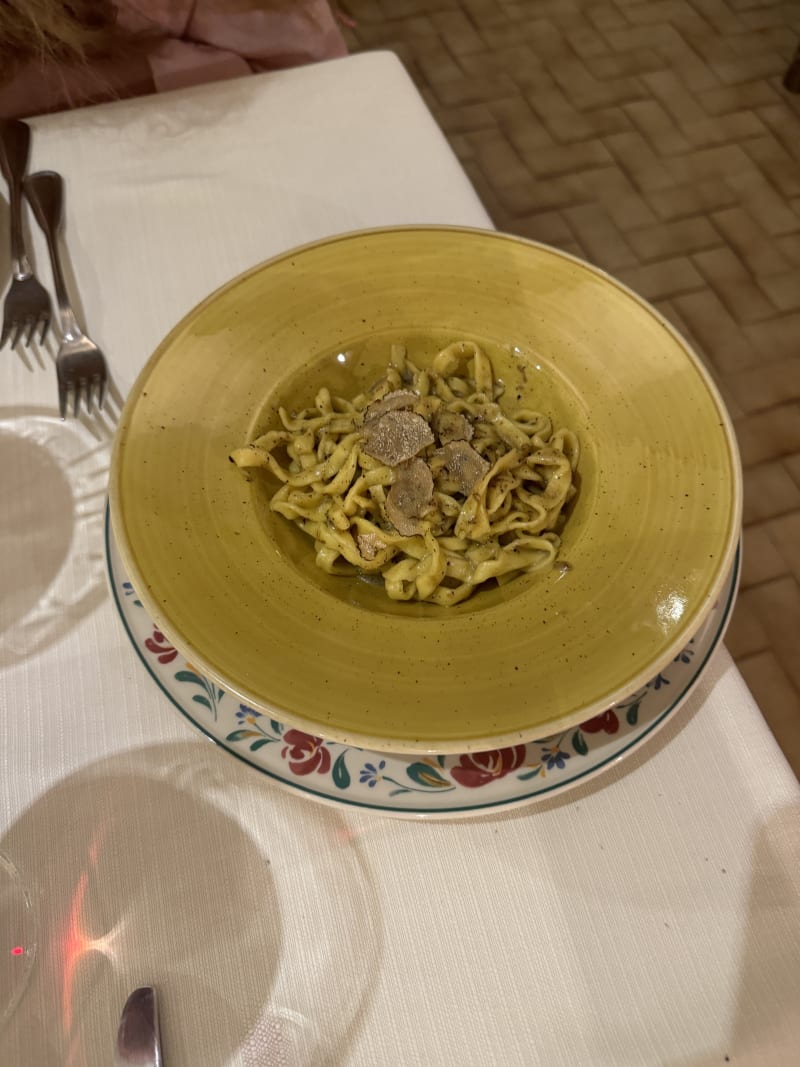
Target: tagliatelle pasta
{"type": "Point", "coordinates": [425, 479]}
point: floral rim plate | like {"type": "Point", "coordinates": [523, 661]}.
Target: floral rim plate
{"type": "Point", "coordinates": [408, 785]}
{"type": "Point", "coordinates": [650, 540]}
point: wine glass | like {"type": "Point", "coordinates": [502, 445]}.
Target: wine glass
{"type": "Point", "coordinates": [17, 937]}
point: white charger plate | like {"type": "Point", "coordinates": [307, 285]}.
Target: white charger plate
{"type": "Point", "coordinates": [415, 784]}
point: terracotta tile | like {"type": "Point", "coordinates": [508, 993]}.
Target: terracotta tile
{"type": "Point", "coordinates": [777, 338]}
{"type": "Point", "coordinates": [682, 236]}
{"type": "Point", "coordinates": [603, 242]}
{"type": "Point", "coordinates": [670, 201]}
{"type": "Point", "coordinates": [606, 17]}
{"type": "Point", "coordinates": [769, 490]}
{"type": "Point", "coordinates": [778, 700]}
{"type": "Point", "coordinates": [777, 605]}
{"type": "Point", "coordinates": [783, 290]}
{"type": "Point", "coordinates": [497, 157]}
{"type": "Point", "coordinates": [785, 533]}
{"type": "Point", "coordinates": [729, 277]}
{"type": "Point", "coordinates": [587, 91]}
{"type": "Point", "coordinates": [657, 127]}
{"type": "Point", "coordinates": [767, 207]}
{"type": "Point", "coordinates": [655, 11]}
{"type": "Point", "coordinates": [550, 227]}
{"type": "Point", "coordinates": [668, 277]}
{"type": "Point", "coordinates": [769, 434]}
{"type": "Point", "coordinates": [718, 332]}
{"type": "Point", "coordinates": [790, 247]}
{"type": "Point", "coordinates": [720, 162]}
{"type": "Point", "coordinates": [586, 43]}
{"type": "Point", "coordinates": [776, 163]}
{"type": "Point", "coordinates": [721, 101]}
{"type": "Point", "coordinates": [738, 126]}
{"type": "Point", "coordinates": [767, 385]}
{"type": "Point", "coordinates": [528, 72]}
{"type": "Point", "coordinates": [749, 68]}
{"type": "Point", "coordinates": [612, 188]}
{"type": "Point", "coordinates": [762, 253]}
{"type": "Point", "coordinates": [792, 464]}
{"type": "Point", "coordinates": [563, 159]}
{"type": "Point", "coordinates": [641, 163]}
{"type": "Point", "coordinates": [761, 560]}
{"type": "Point", "coordinates": [624, 64]}
{"type": "Point", "coordinates": [745, 634]}
{"type": "Point", "coordinates": [667, 88]}
{"type": "Point", "coordinates": [463, 118]}
{"type": "Point", "coordinates": [784, 125]}
{"type": "Point", "coordinates": [458, 32]}
{"type": "Point", "coordinates": [453, 92]}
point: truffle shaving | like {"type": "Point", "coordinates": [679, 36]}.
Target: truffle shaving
{"type": "Point", "coordinates": [464, 465]}
{"type": "Point", "coordinates": [396, 437]}
{"type": "Point", "coordinates": [394, 401]}
{"type": "Point", "coordinates": [451, 426]}
{"type": "Point", "coordinates": [409, 497]}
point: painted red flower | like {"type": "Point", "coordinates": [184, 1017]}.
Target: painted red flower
{"type": "Point", "coordinates": [160, 646]}
{"type": "Point", "coordinates": [305, 753]}
{"type": "Point", "coordinates": [607, 723]}
{"type": "Point", "coordinates": [480, 768]}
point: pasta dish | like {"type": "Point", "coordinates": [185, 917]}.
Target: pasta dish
{"type": "Point", "coordinates": [424, 480]}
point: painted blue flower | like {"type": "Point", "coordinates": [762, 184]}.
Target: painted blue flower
{"type": "Point", "coordinates": [554, 757]}
{"type": "Point", "coordinates": [370, 774]}
{"type": "Point", "coordinates": [245, 714]}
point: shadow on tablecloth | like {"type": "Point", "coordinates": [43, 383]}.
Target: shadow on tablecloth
{"type": "Point", "coordinates": [145, 873]}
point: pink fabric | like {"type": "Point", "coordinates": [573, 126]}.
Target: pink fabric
{"type": "Point", "coordinates": [193, 41]}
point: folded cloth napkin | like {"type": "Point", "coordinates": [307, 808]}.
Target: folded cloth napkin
{"type": "Point", "coordinates": [177, 44]}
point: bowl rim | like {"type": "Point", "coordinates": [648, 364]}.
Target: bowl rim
{"type": "Point", "coordinates": [370, 741]}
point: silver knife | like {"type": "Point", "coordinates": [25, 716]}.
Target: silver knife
{"type": "Point", "coordinates": [138, 1037]}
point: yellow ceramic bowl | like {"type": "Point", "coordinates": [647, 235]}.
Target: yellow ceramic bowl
{"type": "Point", "coordinates": [650, 540]}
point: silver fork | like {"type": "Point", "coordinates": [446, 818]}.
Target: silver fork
{"type": "Point", "coordinates": [80, 365]}
{"type": "Point", "coordinates": [27, 304]}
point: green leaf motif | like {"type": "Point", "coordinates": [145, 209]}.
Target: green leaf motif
{"type": "Point", "coordinates": [190, 676]}
{"type": "Point", "coordinates": [256, 745]}
{"type": "Point", "coordinates": [632, 714]}
{"type": "Point", "coordinates": [424, 774]}
{"type": "Point", "coordinates": [276, 727]}
{"type": "Point", "coordinates": [242, 735]}
{"type": "Point", "coordinates": [341, 775]}
{"type": "Point", "coordinates": [198, 699]}
{"type": "Point", "coordinates": [579, 743]}
{"type": "Point", "coordinates": [531, 774]}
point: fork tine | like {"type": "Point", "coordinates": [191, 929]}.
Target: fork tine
{"type": "Point", "coordinates": [89, 385]}
{"type": "Point", "coordinates": [45, 326]}
{"type": "Point", "coordinates": [77, 397]}
{"type": "Point", "coordinates": [5, 333]}
{"type": "Point", "coordinates": [31, 327]}
{"type": "Point", "coordinates": [18, 328]}
{"type": "Point", "coordinates": [102, 382]}
{"type": "Point", "coordinates": [62, 398]}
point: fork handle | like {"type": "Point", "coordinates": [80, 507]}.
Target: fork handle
{"type": "Point", "coordinates": [15, 143]}
{"type": "Point", "coordinates": [45, 193]}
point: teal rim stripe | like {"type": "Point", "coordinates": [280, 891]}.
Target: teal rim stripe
{"type": "Point", "coordinates": [476, 808]}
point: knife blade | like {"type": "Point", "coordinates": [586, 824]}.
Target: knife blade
{"type": "Point", "coordinates": [138, 1037]}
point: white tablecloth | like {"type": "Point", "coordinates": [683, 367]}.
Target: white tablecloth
{"type": "Point", "coordinates": [651, 916]}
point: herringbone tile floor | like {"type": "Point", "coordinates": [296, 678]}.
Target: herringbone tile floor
{"type": "Point", "coordinates": [653, 138]}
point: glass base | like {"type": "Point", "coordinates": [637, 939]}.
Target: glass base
{"type": "Point", "coordinates": [17, 937]}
